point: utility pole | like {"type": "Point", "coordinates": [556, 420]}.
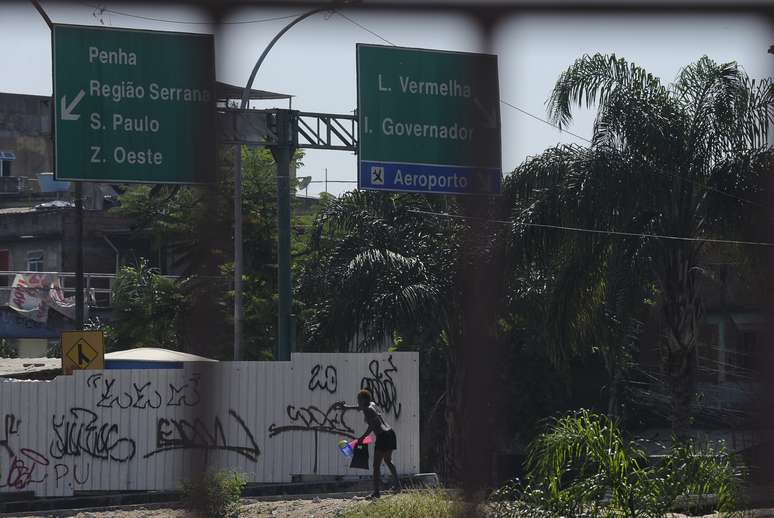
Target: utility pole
{"type": "Point", "coordinates": [284, 151]}
{"type": "Point", "coordinates": [79, 302]}
{"type": "Point", "coordinates": [79, 255]}
{"type": "Point", "coordinates": [238, 308]}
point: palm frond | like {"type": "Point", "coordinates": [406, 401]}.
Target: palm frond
{"type": "Point", "coordinates": [594, 80]}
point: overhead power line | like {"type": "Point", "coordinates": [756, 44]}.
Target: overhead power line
{"type": "Point", "coordinates": [555, 126]}
{"type": "Point", "coordinates": [657, 171]}
{"type": "Point", "coordinates": [103, 9]}
{"type": "Point", "coordinates": [596, 231]}
{"type": "Point", "coordinates": [373, 33]}
{"type": "Point", "coordinates": [525, 112]}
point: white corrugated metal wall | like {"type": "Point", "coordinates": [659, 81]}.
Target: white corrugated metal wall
{"type": "Point", "coordinates": [151, 429]}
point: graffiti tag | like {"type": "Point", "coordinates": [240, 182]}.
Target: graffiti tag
{"type": "Point", "coordinates": [181, 434]}
{"type": "Point", "coordinates": [382, 387]}
{"type": "Point", "coordinates": [80, 433]}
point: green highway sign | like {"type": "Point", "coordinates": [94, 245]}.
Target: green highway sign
{"type": "Point", "coordinates": [428, 121]}
{"type": "Point", "coordinates": [133, 106]}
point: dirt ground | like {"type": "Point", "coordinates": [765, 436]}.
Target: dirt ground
{"type": "Point", "coordinates": [316, 508]}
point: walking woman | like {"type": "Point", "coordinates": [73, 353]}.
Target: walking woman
{"type": "Point", "coordinates": [386, 442]}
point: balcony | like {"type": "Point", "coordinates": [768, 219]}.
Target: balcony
{"type": "Point", "coordinates": [99, 286]}
{"type": "Point", "coordinates": [13, 184]}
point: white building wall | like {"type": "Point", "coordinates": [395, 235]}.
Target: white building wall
{"type": "Point", "coordinates": [152, 429]}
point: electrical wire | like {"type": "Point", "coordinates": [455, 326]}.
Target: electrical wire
{"type": "Point", "coordinates": [365, 28]}
{"type": "Point", "coordinates": [597, 231]}
{"type": "Point", "coordinates": [657, 171]}
{"type": "Point", "coordinates": [555, 126]}
{"type": "Point", "coordinates": [103, 9]}
{"type": "Point", "coordinates": [525, 112]}
{"type": "Point", "coordinates": [377, 35]}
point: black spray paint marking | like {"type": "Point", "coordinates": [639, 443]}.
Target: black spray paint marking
{"type": "Point", "coordinates": [62, 470]}
{"type": "Point", "coordinates": [10, 427]}
{"type": "Point", "coordinates": [181, 434]}
{"type": "Point", "coordinates": [382, 387]}
{"type": "Point", "coordinates": [324, 379]}
{"type": "Point", "coordinates": [81, 434]}
{"type": "Point", "coordinates": [143, 396]}
{"type": "Point", "coordinates": [21, 470]}
{"type": "Point", "coordinates": [187, 395]}
{"type": "Point", "coordinates": [312, 419]}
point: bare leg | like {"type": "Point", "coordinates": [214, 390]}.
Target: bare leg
{"type": "Point", "coordinates": [378, 455]}
{"type": "Point", "coordinates": [391, 466]}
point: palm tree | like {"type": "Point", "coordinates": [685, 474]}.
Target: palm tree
{"type": "Point", "coordinates": [680, 160]}
{"type": "Point", "coordinates": [383, 264]}
{"type": "Point", "coordinates": [378, 268]}
{"type": "Point", "coordinates": [594, 288]}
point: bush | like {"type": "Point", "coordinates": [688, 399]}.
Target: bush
{"type": "Point", "coordinates": [410, 504]}
{"type": "Point", "coordinates": [146, 309]}
{"type": "Point", "coordinates": [583, 466]}
{"type": "Point", "coordinates": [215, 494]}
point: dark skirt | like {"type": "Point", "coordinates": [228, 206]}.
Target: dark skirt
{"type": "Point", "coordinates": [386, 441]}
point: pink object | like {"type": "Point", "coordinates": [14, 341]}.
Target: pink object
{"type": "Point", "coordinates": [367, 440]}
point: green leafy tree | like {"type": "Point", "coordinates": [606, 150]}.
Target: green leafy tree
{"type": "Point", "coordinates": [677, 160]}
{"type": "Point", "coordinates": [194, 225]}
{"type": "Point", "coordinates": [384, 265]}
{"type": "Point", "coordinates": [379, 273]}
{"type": "Point", "coordinates": [146, 309]}
{"type": "Point", "coordinates": [377, 268]}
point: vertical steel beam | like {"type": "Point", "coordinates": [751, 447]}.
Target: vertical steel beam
{"type": "Point", "coordinates": [79, 254]}
{"type": "Point", "coordinates": [238, 308]}
{"type": "Point", "coordinates": [284, 278]}
{"type": "Point", "coordinates": [283, 153]}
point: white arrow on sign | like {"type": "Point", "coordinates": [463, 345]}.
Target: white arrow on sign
{"type": "Point", "coordinates": [490, 117]}
{"type": "Point", "coordinates": [67, 109]}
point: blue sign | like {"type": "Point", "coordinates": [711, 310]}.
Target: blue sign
{"type": "Point", "coordinates": [13, 325]}
{"type": "Point", "coordinates": [427, 178]}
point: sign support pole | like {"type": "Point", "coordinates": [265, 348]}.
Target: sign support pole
{"type": "Point", "coordinates": [282, 155]}
{"type": "Point", "coordinates": [79, 255]}
{"type": "Point", "coordinates": [78, 213]}
{"type": "Point", "coordinates": [283, 209]}
{"type": "Point", "coordinates": [238, 310]}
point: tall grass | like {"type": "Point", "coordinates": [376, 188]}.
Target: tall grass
{"type": "Point", "coordinates": [430, 503]}
{"type": "Point", "coordinates": [583, 466]}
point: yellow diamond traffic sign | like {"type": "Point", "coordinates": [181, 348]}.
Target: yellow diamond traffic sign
{"type": "Point", "coordinates": [82, 350]}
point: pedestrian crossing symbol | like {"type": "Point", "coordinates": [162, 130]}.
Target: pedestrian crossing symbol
{"type": "Point", "coordinates": [82, 350]}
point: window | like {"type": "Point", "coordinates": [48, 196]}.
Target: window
{"type": "Point", "coordinates": [35, 261]}
{"type": "Point", "coordinates": [744, 357]}
{"type": "Point", "coordinates": [5, 168]}
{"type": "Point", "coordinates": [5, 162]}
{"type": "Point", "coordinates": [747, 349]}
{"type": "Point", "coordinates": [5, 265]}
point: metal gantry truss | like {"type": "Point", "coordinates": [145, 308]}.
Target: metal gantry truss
{"type": "Point", "coordinates": [326, 131]}
{"type": "Point", "coordinates": [308, 130]}
{"type": "Point", "coordinates": [283, 132]}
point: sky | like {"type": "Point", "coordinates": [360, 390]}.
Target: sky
{"type": "Point", "coordinates": [315, 60]}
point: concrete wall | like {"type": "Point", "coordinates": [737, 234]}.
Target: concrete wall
{"type": "Point", "coordinates": [25, 129]}
{"type": "Point", "coordinates": [52, 257]}
{"type": "Point", "coordinates": [151, 429]}
{"type": "Point", "coordinates": [45, 227]}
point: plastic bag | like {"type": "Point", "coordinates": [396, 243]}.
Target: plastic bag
{"type": "Point", "coordinates": [360, 457]}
